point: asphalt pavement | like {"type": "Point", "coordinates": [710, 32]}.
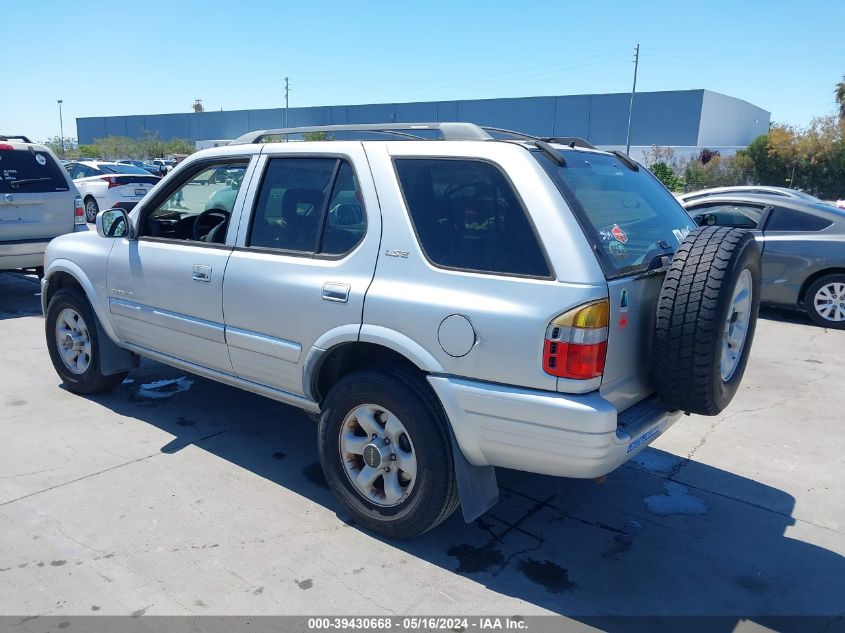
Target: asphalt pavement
{"type": "Point", "coordinates": [177, 495]}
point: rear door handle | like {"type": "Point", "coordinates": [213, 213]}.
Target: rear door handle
{"type": "Point", "coordinates": [202, 273]}
{"type": "Point", "coordinates": [333, 291]}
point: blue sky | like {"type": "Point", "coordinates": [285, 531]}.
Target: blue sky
{"type": "Point", "coordinates": [142, 57]}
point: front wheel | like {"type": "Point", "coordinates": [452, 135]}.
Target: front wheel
{"type": "Point", "coordinates": [74, 346]}
{"type": "Point", "coordinates": [91, 209]}
{"type": "Point", "coordinates": [825, 301]}
{"type": "Point", "coordinates": [386, 452]}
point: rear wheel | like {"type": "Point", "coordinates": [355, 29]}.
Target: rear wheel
{"type": "Point", "coordinates": [73, 343]}
{"type": "Point", "coordinates": [706, 317]}
{"type": "Point", "coordinates": [386, 452]}
{"type": "Point", "coordinates": [91, 209]}
{"type": "Point", "coordinates": [825, 301]}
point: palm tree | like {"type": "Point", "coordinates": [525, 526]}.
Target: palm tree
{"type": "Point", "coordinates": [840, 98]}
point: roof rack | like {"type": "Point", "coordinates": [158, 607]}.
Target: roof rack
{"type": "Point", "coordinates": [9, 137]}
{"type": "Point", "coordinates": [448, 131]}
{"type": "Point", "coordinates": [572, 141]}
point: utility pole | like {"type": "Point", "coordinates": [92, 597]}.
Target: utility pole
{"type": "Point", "coordinates": [631, 106]}
{"type": "Point", "coordinates": [287, 92]}
{"type": "Point", "coordinates": [61, 127]}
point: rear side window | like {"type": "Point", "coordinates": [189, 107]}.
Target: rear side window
{"type": "Point", "coordinates": [790, 220]}
{"type": "Point", "coordinates": [467, 216]}
{"type": "Point", "coordinates": [308, 205]}
{"type": "Point", "coordinates": [25, 171]}
{"type": "Point", "coordinates": [628, 217]}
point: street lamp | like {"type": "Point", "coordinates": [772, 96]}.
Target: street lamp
{"type": "Point", "coordinates": [61, 127]}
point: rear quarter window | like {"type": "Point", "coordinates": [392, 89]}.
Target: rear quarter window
{"type": "Point", "coordinates": [468, 217]}
{"type": "Point", "coordinates": [30, 171]}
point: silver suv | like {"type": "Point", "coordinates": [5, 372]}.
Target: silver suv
{"type": "Point", "coordinates": [446, 299]}
{"type": "Point", "coordinates": [38, 201]}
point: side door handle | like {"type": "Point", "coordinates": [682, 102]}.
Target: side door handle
{"type": "Point", "coordinates": [202, 273]}
{"type": "Point", "coordinates": [333, 291]}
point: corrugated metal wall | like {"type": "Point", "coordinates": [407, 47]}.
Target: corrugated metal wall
{"type": "Point", "coordinates": [662, 118]}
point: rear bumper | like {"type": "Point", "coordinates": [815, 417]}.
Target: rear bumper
{"type": "Point", "coordinates": [581, 436]}
{"type": "Point", "coordinates": [22, 254]}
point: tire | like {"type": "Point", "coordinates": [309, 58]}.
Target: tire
{"type": "Point", "coordinates": [431, 496]}
{"type": "Point", "coordinates": [695, 369]}
{"type": "Point", "coordinates": [830, 288]}
{"type": "Point", "coordinates": [91, 210]}
{"type": "Point", "coordinates": [90, 379]}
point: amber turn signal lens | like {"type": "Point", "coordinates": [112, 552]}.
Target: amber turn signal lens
{"type": "Point", "coordinates": [591, 315]}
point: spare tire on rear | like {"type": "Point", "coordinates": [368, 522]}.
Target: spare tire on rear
{"type": "Point", "coordinates": [706, 317]}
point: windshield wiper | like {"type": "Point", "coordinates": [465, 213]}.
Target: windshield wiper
{"type": "Point", "coordinates": [26, 181]}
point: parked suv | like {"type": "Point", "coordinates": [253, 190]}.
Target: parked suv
{"type": "Point", "coordinates": [38, 201]}
{"type": "Point", "coordinates": [442, 306]}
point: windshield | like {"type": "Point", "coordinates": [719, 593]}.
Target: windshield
{"type": "Point", "coordinates": [628, 216]}
{"type": "Point", "coordinates": [25, 171]}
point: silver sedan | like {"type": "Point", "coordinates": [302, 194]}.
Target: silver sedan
{"type": "Point", "coordinates": [803, 244]}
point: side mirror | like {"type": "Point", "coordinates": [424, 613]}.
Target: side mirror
{"type": "Point", "coordinates": [113, 223]}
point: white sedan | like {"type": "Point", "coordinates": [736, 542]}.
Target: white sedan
{"type": "Point", "coordinates": [106, 185]}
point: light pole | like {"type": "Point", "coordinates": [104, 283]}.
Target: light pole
{"type": "Point", "coordinates": [61, 128]}
{"type": "Point", "coordinates": [631, 106]}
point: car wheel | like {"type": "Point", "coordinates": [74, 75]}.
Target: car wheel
{"type": "Point", "coordinates": [91, 209]}
{"type": "Point", "coordinates": [825, 301]}
{"type": "Point", "coordinates": [706, 317]}
{"type": "Point", "coordinates": [73, 343]}
{"type": "Point", "coordinates": [386, 452]}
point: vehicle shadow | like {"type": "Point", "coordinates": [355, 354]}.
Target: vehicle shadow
{"type": "Point", "coordinates": [663, 536]}
{"type": "Point", "coordinates": [784, 315]}
{"type": "Point", "coordinates": [20, 295]}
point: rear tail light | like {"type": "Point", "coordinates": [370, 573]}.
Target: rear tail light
{"type": "Point", "coordinates": [111, 180]}
{"type": "Point", "coordinates": [78, 211]}
{"type": "Point", "coordinates": [6, 146]}
{"type": "Point", "coordinates": [576, 342]}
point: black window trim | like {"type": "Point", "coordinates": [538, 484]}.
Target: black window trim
{"type": "Point", "coordinates": [550, 277]}
{"type": "Point", "coordinates": [166, 192]}
{"type": "Point", "coordinates": [339, 158]}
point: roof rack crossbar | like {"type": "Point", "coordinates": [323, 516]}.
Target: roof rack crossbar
{"type": "Point", "coordinates": [9, 137]}
{"type": "Point", "coordinates": [448, 131]}
{"type": "Point", "coordinates": [572, 141]}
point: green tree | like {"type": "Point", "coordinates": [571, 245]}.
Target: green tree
{"type": "Point", "coordinates": [150, 145]}
{"type": "Point", "coordinates": [88, 151]}
{"type": "Point", "coordinates": [317, 136]}
{"type": "Point", "coordinates": [839, 93]}
{"type": "Point", "coordinates": [71, 148]}
{"type": "Point", "coordinates": [179, 146]}
{"type": "Point", "coordinates": [116, 148]}
{"type": "Point", "coordinates": [664, 174]}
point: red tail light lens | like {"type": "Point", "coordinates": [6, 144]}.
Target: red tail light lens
{"type": "Point", "coordinates": [6, 146]}
{"type": "Point", "coordinates": [576, 342]}
{"type": "Point", "coordinates": [111, 180]}
{"type": "Point", "coordinates": [78, 211]}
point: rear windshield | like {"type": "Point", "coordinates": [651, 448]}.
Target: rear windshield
{"type": "Point", "coordinates": [123, 168]}
{"type": "Point", "coordinates": [628, 216]}
{"type": "Point", "coordinates": [25, 171]}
